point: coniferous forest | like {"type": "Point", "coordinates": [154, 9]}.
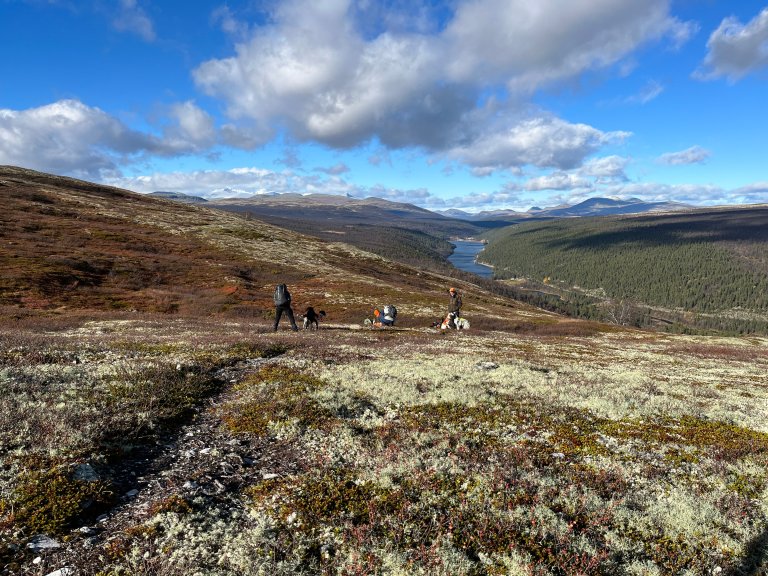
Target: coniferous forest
{"type": "Point", "coordinates": [709, 267]}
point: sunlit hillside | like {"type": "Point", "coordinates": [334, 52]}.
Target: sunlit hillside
{"type": "Point", "coordinates": [152, 423]}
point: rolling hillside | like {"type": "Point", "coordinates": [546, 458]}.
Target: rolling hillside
{"type": "Point", "coordinates": [713, 262]}
{"type": "Point", "coordinates": [153, 424]}
{"type": "Point", "coordinates": [397, 231]}
{"type": "Point", "coordinates": [72, 244]}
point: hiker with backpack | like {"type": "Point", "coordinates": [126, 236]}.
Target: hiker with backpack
{"type": "Point", "coordinates": [283, 305]}
{"type": "Point", "coordinates": [454, 307]}
{"type": "Point", "coordinates": [384, 317]}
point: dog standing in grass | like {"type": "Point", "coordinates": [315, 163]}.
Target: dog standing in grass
{"type": "Point", "coordinates": [311, 318]}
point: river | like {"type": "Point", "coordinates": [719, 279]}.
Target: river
{"type": "Point", "coordinates": [464, 255]}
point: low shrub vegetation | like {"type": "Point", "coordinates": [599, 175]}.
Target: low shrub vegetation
{"type": "Point", "coordinates": [608, 453]}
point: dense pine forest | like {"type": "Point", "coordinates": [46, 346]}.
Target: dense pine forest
{"type": "Point", "coordinates": [707, 267]}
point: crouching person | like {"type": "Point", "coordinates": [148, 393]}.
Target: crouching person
{"type": "Point", "coordinates": [385, 317]}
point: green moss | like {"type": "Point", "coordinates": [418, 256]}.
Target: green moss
{"type": "Point", "coordinates": [746, 486]}
{"type": "Point", "coordinates": [276, 394]}
{"type": "Point", "coordinates": [50, 501]}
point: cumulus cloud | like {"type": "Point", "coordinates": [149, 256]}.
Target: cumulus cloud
{"type": "Point", "coordinates": [66, 137]}
{"type": "Point", "coordinates": [69, 137]}
{"type": "Point", "coordinates": [132, 18]}
{"type": "Point", "coordinates": [191, 129]}
{"type": "Point", "coordinates": [692, 155]}
{"type": "Point", "coordinates": [250, 181]}
{"type": "Point", "coordinates": [557, 181]}
{"type": "Point", "coordinates": [606, 169]}
{"type": "Point", "coordinates": [530, 44]}
{"type": "Point", "coordinates": [542, 141]}
{"type": "Point", "coordinates": [755, 193]}
{"type": "Point", "coordinates": [736, 49]}
{"type": "Point", "coordinates": [317, 72]}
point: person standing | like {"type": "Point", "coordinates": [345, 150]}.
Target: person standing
{"type": "Point", "coordinates": [454, 307]}
{"type": "Point", "coordinates": [283, 305]}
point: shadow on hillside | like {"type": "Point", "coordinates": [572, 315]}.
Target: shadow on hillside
{"type": "Point", "coordinates": [728, 226]}
{"type": "Point", "coordinates": [754, 562]}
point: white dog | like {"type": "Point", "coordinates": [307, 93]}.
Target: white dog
{"type": "Point", "coordinates": [459, 323]}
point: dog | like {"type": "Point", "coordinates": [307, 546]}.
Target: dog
{"type": "Point", "coordinates": [452, 322]}
{"type": "Point", "coordinates": [311, 318]}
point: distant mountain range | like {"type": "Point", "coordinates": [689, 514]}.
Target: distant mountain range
{"type": "Point", "coordinates": [590, 207]}
{"type": "Point", "coordinates": [367, 210]}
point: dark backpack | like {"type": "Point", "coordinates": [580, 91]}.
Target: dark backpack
{"type": "Point", "coordinates": [389, 312]}
{"type": "Point", "coordinates": [281, 295]}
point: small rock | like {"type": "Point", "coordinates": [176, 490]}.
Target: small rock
{"type": "Point", "coordinates": [42, 542]}
{"type": "Point", "coordinates": [37, 560]}
{"type": "Point", "coordinates": [205, 451]}
{"type": "Point", "coordinates": [270, 476]}
{"type": "Point", "coordinates": [558, 455]}
{"type": "Point", "coordinates": [87, 530]}
{"type": "Point", "coordinates": [486, 365]}
{"type": "Point", "coordinates": [86, 473]}
{"type": "Point", "coordinates": [190, 485]}
{"type": "Point", "coordinates": [132, 493]}
{"type": "Point", "coordinates": [102, 518]}
{"type": "Point", "coordinates": [66, 571]}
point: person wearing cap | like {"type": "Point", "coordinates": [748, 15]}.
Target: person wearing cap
{"type": "Point", "coordinates": [454, 307]}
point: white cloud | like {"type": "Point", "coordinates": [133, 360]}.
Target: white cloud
{"type": "Point", "coordinates": [755, 193]}
{"type": "Point", "coordinates": [692, 155]}
{"type": "Point", "coordinates": [606, 169]}
{"type": "Point", "coordinates": [557, 181]}
{"type": "Point", "coordinates": [132, 18]}
{"type": "Point", "coordinates": [239, 182]}
{"type": "Point", "coordinates": [529, 44]}
{"type": "Point", "coordinates": [320, 72]}
{"type": "Point", "coordinates": [736, 49]}
{"type": "Point", "coordinates": [249, 181]}
{"type": "Point", "coordinates": [539, 141]}
{"type": "Point", "coordinates": [68, 137]}
{"type": "Point", "coordinates": [65, 137]}
{"type": "Point", "coordinates": [191, 129]}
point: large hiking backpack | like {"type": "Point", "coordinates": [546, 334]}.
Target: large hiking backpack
{"type": "Point", "coordinates": [389, 314]}
{"type": "Point", "coordinates": [281, 295]}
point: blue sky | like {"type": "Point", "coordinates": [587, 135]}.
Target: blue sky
{"type": "Point", "coordinates": [479, 105]}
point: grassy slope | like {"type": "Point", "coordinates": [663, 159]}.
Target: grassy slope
{"type": "Point", "coordinates": [400, 232]}
{"type": "Point", "coordinates": [704, 261]}
{"type": "Point", "coordinates": [77, 245]}
{"type": "Point", "coordinates": [531, 444]}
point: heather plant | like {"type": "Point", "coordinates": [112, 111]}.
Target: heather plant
{"type": "Point", "coordinates": [410, 452]}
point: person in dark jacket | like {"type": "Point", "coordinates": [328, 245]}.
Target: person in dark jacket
{"type": "Point", "coordinates": [283, 305]}
{"type": "Point", "coordinates": [454, 307]}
